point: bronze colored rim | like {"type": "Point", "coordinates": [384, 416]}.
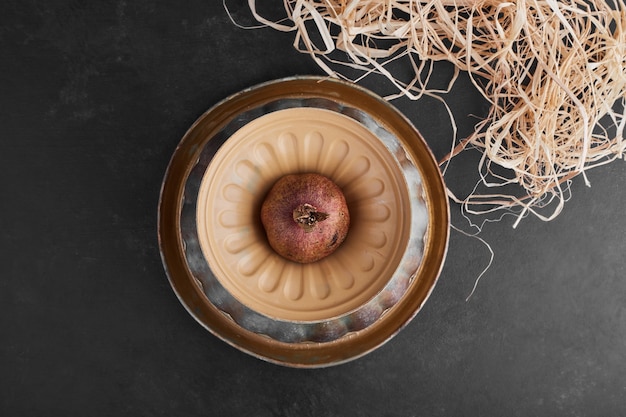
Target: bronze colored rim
{"type": "Point", "coordinates": [305, 354]}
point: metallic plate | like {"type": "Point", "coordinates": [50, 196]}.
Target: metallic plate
{"type": "Point", "coordinates": [302, 344]}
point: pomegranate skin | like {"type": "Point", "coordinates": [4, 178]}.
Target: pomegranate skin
{"type": "Point", "coordinates": [305, 217]}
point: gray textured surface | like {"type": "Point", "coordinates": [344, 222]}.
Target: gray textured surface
{"type": "Point", "coordinates": [94, 97]}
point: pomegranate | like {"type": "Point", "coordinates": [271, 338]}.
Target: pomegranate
{"type": "Point", "coordinates": [305, 217]}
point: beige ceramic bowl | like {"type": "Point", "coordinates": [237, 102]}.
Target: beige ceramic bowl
{"type": "Point", "coordinates": [214, 247]}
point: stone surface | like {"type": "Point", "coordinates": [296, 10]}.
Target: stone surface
{"type": "Point", "coordinates": [94, 97]}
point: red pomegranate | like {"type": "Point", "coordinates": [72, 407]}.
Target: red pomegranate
{"type": "Point", "coordinates": [305, 217]}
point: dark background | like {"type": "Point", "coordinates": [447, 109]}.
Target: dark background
{"type": "Point", "coordinates": [94, 97]}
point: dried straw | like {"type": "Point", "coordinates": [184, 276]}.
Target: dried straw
{"type": "Point", "coordinates": [553, 72]}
